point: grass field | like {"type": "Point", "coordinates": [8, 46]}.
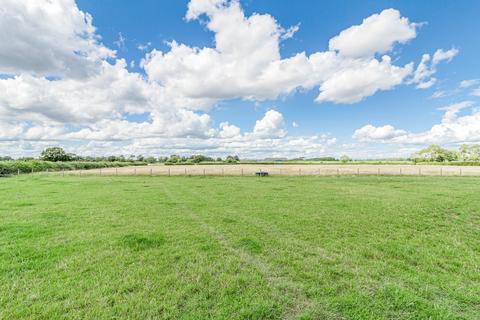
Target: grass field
{"type": "Point", "coordinates": [240, 248]}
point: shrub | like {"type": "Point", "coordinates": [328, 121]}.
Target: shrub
{"type": "Point", "coordinates": [56, 154]}
{"type": "Point", "coordinates": [13, 167]}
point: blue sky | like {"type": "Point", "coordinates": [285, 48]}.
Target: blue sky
{"type": "Point", "coordinates": [152, 110]}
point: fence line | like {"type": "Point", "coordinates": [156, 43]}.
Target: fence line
{"type": "Point", "coordinates": [273, 171]}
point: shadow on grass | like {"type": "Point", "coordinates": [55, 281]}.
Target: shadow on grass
{"type": "Point", "coordinates": [138, 242]}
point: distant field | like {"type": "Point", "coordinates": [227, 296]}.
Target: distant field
{"type": "Point", "coordinates": [288, 170]}
{"type": "Point", "coordinates": [240, 248]}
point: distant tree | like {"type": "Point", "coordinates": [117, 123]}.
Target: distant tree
{"type": "Point", "coordinates": [174, 159]}
{"type": "Point", "coordinates": [232, 159]}
{"type": "Point", "coordinates": [323, 159]}
{"type": "Point", "coordinates": [469, 152]}
{"type": "Point", "coordinates": [345, 158]}
{"type": "Point", "coordinates": [219, 159]}
{"type": "Point", "coordinates": [434, 153]}
{"type": "Point", "coordinates": [150, 159]}
{"type": "Point", "coordinates": [197, 158]}
{"type": "Point", "coordinates": [6, 158]}
{"type": "Point", "coordinates": [55, 154]}
{"type": "Point", "coordinates": [73, 157]}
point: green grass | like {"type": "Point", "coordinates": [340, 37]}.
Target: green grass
{"type": "Point", "coordinates": [240, 248]}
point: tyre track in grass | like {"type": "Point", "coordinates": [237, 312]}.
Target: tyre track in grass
{"type": "Point", "coordinates": [298, 247]}
{"type": "Point", "coordinates": [300, 304]}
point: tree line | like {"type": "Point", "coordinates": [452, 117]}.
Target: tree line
{"type": "Point", "coordinates": [435, 153]}
{"type": "Point", "coordinates": [58, 154]}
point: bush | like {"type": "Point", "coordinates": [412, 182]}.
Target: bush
{"type": "Point", "coordinates": [13, 167]}
{"type": "Point", "coordinates": [56, 154]}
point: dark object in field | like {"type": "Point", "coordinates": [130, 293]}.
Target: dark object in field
{"type": "Point", "coordinates": [261, 174]}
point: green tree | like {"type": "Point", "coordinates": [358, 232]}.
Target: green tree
{"type": "Point", "coordinates": [232, 159]}
{"type": "Point", "coordinates": [174, 159]}
{"type": "Point", "coordinates": [55, 154]}
{"type": "Point", "coordinates": [197, 158]}
{"type": "Point", "coordinates": [345, 158]}
{"type": "Point", "coordinates": [469, 152]}
{"type": "Point", "coordinates": [434, 153]}
{"type": "Point", "coordinates": [150, 159]}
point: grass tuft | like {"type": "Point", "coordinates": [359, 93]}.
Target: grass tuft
{"type": "Point", "coordinates": [141, 242]}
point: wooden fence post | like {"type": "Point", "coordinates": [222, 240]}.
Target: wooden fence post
{"type": "Point", "coordinates": [169, 172]}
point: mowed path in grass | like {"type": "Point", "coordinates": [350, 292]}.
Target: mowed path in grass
{"type": "Point", "coordinates": [240, 248]}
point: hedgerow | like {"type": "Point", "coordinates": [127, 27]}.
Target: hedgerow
{"type": "Point", "coordinates": [20, 166]}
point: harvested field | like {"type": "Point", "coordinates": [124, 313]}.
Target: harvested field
{"type": "Point", "coordinates": [286, 170]}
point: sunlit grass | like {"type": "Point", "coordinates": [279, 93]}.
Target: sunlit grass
{"type": "Point", "coordinates": [240, 248]}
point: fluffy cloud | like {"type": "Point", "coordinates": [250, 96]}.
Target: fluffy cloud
{"type": "Point", "coordinates": [272, 125]}
{"type": "Point", "coordinates": [52, 38]}
{"type": "Point", "coordinates": [108, 94]}
{"type": "Point", "coordinates": [362, 79]}
{"type": "Point", "coordinates": [469, 83]}
{"type": "Point", "coordinates": [453, 128]}
{"type": "Point", "coordinates": [65, 86]}
{"type": "Point", "coordinates": [476, 92]}
{"type": "Point", "coordinates": [228, 130]}
{"type": "Point", "coordinates": [423, 76]}
{"type": "Point", "coordinates": [246, 62]}
{"type": "Point", "coordinates": [377, 34]}
{"type": "Point", "coordinates": [370, 132]}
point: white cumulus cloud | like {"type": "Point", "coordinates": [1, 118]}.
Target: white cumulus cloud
{"type": "Point", "coordinates": [272, 125]}
{"type": "Point", "coordinates": [453, 129]}
{"type": "Point", "coordinates": [370, 132]}
{"type": "Point", "coordinates": [377, 34]}
{"type": "Point", "coordinates": [48, 38]}
{"type": "Point", "coordinates": [61, 84]}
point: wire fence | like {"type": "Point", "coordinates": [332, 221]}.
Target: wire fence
{"type": "Point", "coordinates": [274, 170]}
